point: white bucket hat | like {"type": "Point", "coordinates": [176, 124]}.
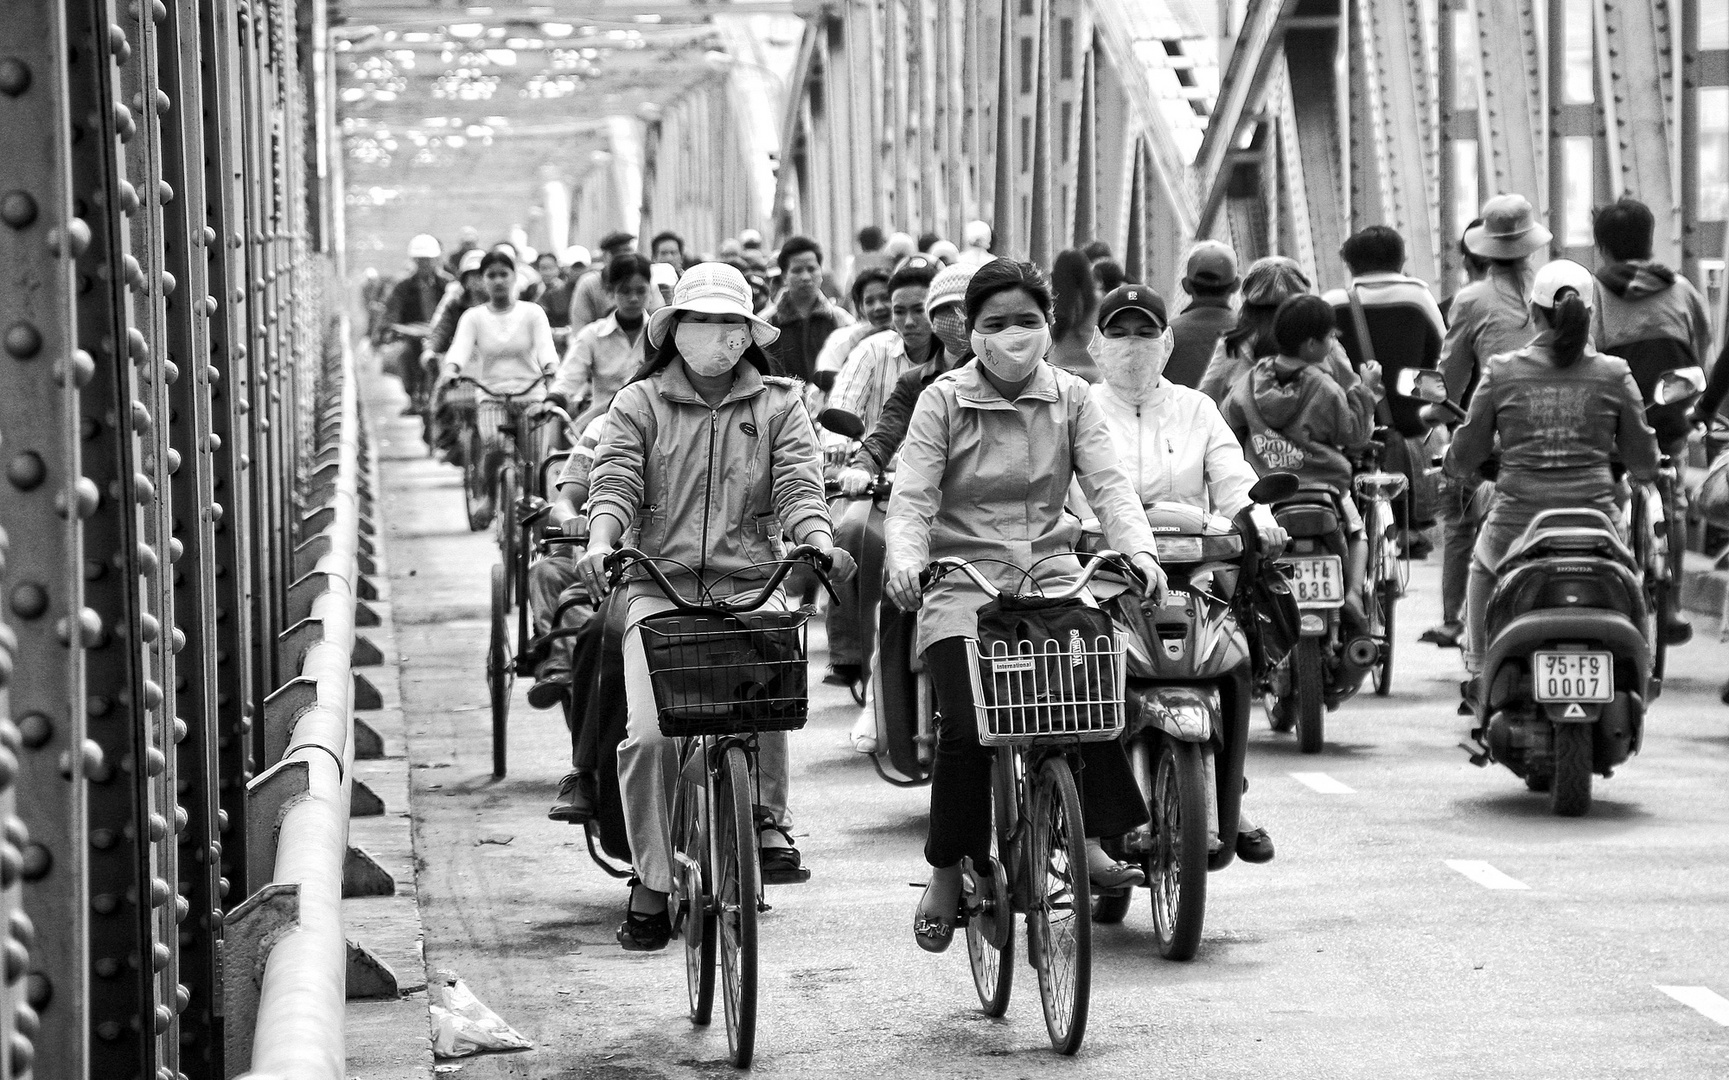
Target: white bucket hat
{"type": "Point", "coordinates": [1562, 274]}
{"type": "Point", "coordinates": [711, 289]}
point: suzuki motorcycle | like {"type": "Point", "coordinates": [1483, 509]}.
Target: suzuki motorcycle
{"type": "Point", "coordinates": [1190, 683]}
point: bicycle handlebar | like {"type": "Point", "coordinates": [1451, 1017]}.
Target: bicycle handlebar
{"type": "Point", "coordinates": [623, 559]}
{"type": "Point", "coordinates": [1097, 561]}
{"type": "Point", "coordinates": [503, 395]}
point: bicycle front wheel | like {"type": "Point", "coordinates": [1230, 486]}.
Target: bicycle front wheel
{"type": "Point", "coordinates": [1060, 923]}
{"type": "Point", "coordinates": [736, 876]}
{"type": "Point", "coordinates": [693, 908]}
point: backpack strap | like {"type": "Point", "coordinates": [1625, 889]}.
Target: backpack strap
{"type": "Point", "coordinates": [1365, 343]}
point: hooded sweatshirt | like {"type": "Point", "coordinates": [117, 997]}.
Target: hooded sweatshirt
{"type": "Point", "coordinates": [1291, 417]}
{"type": "Point", "coordinates": [1641, 300]}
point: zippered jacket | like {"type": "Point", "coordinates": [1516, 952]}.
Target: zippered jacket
{"type": "Point", "coordinates": [713, 488]}
{"type": "Point", "coordinates": [1175, 447]}
{"type": "Point", "coordinates": [1293, 418]}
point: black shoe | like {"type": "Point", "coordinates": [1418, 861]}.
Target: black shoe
{"type": "Point", "coordinates": [644, 933]}
{"type": "Point", "coordinates": [1446, 636]}
{"type": "Point", "coordinates": [1468, 691]}
{"type": "Point", "coordinates": [575, 798]}
{"type": "Point", "coordinates": [843, 674]}
{"type": "Point", "coordinates": [1677, 631]}
{"type": "Point", "coordinates": [548, 691]}
{"type": "Point", "coordinates": [780, 865]}
{"type": "Point", "coordinates": [1255, 846]}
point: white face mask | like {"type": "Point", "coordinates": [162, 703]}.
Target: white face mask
{"type": "Point", "coordinates": [1012, 354]}
{"type": "Point", "coordinates": [711, 349]}
{"type": "Point", "coordinates": [1131, 365]}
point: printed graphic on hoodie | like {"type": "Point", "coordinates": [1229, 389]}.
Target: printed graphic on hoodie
{"type": "Point", "coordinates": [1278, 452]}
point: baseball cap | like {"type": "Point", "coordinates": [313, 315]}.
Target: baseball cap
{"type": "Point", "coordinates": [1132, 298]}
{"type": "Point", "coordinates": [948, 287]}
{"type": "Point", "coordinates": [1555, 277]}
{"type": "Point", "coordinates": [470, 261]}
{"type": "Point", "coordinates": [712, 289]}
{"type": "Point", "coordinates": [1211, 264]}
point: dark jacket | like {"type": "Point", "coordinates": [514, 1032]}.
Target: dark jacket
{"type": "Point", "coordinates": [414, 299]}
{"type": "Point", "coordinates": [884, 441]}
{"type": "Point", "coordinates": [1193, 335]}
{"type": "Point", "coordinates": [802, 338]}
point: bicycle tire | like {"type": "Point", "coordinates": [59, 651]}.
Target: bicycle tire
{"type": "Point", "coordinates": [1386, 601]}
{"type": "Point", "coordinates": [509, 540]}
{"type": "Point", "coordinates": [694, 902]}
{"type": "Point", "coordinates": [1177, 878]}
{"type": "Point", "coordinates": [1059, 921]}
{"type": "Point", "coordinates": [500, 672]}
{"type": "Point", "coordinates": [736, 889]}
{"type": "Point", "coordinates": [991, 951]}
{"type": "Point", "coordinates": [1308, 686]}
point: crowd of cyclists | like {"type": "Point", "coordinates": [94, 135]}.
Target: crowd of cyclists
{"type": "Point", "coordinates": [1015, 410]}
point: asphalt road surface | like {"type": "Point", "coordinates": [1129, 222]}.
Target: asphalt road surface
{"type": "Point", "coordinates": [1423, 918]}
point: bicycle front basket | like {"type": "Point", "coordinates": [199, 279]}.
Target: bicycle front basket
{"type": "Point", "coordinates": [1046, 673]}
{"type": "Point", "coordinates": [723, 674]}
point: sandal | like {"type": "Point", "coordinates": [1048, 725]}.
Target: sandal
{"type": "Point", "coordinates": [780, 865]}
{"type": "Point", "coordinates": [1119, 875]}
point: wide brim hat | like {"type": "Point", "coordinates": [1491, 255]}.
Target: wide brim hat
{"type": "Point", "coordinates": [711, 289]}
{"type": "Point", "coordinates": [1510, 230]}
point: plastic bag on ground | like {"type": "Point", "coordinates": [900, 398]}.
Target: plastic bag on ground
{"type": "Point", "coordinates": [461, 1025]}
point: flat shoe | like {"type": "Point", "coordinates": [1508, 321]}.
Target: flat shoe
{"type": "Point", "coordinates": [644, 933]}
{"type": "Point", "coordinates": [1446, 635]}
{"type": "Point", "coordinates": [933, 935]}
{"type": "Point", "coordinates": [1119, 875]}
{"type": "Point", "coordinates": [548, 692]}
{"type": "Point", "coordinates": [1255, 846]}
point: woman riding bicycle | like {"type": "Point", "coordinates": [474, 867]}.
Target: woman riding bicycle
{"type": "Point", "coordinates": [984, 475]}
{"type": "Point", "coordinates": [1174, 444]}
{"type": "Point", "coordinates": [1563, 413]}
{"type": "Point", "coordinates": [505, 345]}
{"type": "Point", "coordinates": [709, 460]}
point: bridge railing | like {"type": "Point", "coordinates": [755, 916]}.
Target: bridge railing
{"type": "Point", "coordinates": [180, 439]}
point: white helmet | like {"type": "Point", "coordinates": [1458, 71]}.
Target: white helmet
{"type": "Point", "coordinates": [424, 246]}
{"type": "Point", "coordinates": [575, 255]}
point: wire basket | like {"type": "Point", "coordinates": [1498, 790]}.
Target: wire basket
{"type": "Point", "coordinates": [727, 674]}
{"type": "Point", "coordinates": [1032, 694]}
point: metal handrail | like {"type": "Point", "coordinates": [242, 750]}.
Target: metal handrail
{"type": "Point", "coordinates": [299, 1030]}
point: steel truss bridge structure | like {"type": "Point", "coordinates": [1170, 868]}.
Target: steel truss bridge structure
{"type": "Point", "coordinates": [186, 507]}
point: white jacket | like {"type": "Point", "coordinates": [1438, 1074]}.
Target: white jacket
{"type": "Point", "coordinates": [1175, 448]}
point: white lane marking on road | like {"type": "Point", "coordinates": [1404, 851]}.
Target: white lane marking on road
{"type": "Point", "coordinates": [1701, 1000]}
{"type": "Point", "coordinates": [1485, 875]}
{"type": "Point", "coordinates": [1321, 782]}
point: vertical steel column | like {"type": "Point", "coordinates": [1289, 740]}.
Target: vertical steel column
{"type": "Point", "coordinates": [1636, 94]}
{"type": "Point", "coordinates": [1509, 110]}
{"type": "Point", "coordinates": [126, 1017]}
{"type": "Point", "coordinates": [44, 81]}
{"type": "Point", "coordinates": [231, 635]}
{"type": "Point", "coordinates": [188, 309]}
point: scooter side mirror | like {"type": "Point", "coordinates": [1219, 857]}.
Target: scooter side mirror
{"type": "Point", "coordinates": [842, 422]}
{"type": "Point", "coordinates": [1422, 384]}
{"type": "Point", "coordinates": [1679, 385]}
{"type": "Point", "coordinates": [1274, 487]}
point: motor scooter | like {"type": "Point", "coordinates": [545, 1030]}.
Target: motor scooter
{"type": "Point", "coordinates": [1567, 669]}
{"type": "Point", "coordinates": [1190, 682]}
{"type": "Point", "coordinates": [896, 687]}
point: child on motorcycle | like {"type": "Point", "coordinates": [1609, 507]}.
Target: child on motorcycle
{"type": "Point", "coordinates": [1290, 416]}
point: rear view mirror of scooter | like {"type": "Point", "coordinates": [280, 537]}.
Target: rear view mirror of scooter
{"type": "Point", "coordinates": [1274, 487]}
{"type": "Point", "coordinates": [842, 423]}
{"type": "Point", "coordinates": [1422, 384]}
{"type": "Point", "coordinates": [1679, 385]}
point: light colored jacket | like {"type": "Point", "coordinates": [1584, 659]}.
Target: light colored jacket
{"type": "Point", "coordinates": [601, 358]}
{"type": "Point", "coordinates": [981, 477]}
{"type": "Point", "coordinates": [716, 488]}
{"type": "Point", "coordinates": [1488, 318]}
{"type": "Point", "coordinates": [1175, 447]}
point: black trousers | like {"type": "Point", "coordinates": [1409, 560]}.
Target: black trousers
{"type": "Point", "coordinates": [960, 825]}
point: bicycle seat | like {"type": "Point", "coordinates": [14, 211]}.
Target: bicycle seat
{"type": "Point", "coordinates": [1577, 532]}
{"type": "Point", "coordinates": [1380, 485]}
{"type": "Point", "coordinates": [1308, 513]}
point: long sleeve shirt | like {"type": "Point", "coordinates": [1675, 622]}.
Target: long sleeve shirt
{"type": "Point", "coordinates": [506, 351]}
{"type": "Point", "coordinates": [600, 360]}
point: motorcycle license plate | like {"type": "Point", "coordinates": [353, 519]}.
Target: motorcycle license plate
{"type": "Point", "coordinates": [1573, 676]}
{"type": "Point", "coordinates": [1317, 580]}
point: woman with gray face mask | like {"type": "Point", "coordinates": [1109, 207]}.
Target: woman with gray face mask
{"type": "Point", "coordinates": [984, 474]}
{"type": "Point", "coordinates": [1174, 444]}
